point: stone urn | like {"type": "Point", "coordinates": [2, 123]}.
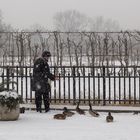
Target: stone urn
{"type": "Point", "coordinates": [9, 106]}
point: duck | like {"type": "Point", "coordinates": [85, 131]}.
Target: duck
{"type": "Point", "coordinates": [80, 111]}
{"type": "Point", "coordinates": [59, 116]}
{"type": "Point", "coordinates": [135, 113]}
{"type": "Point", "coordinates": [93, 113]}
{"type": "Point", "coordinates": [22, 110]}
{"type": "Point", "coordinates": [109, 118]}
{"type": "Point", "coordinates": [67, 112]}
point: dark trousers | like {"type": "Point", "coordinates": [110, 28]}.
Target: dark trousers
{"type": "Point", "coordinates": [38, 100]}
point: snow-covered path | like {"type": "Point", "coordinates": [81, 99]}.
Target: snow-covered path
{"type": "Point", "coordinates": [42, 126]}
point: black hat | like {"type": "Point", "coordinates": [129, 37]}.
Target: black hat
{"type": "Point", "coordinates": [46, 53]}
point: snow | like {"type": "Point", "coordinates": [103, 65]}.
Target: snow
{"type": "Point", "coordinates": [8, 94]}
{"type": "Point", "coordinates": [41, 126]}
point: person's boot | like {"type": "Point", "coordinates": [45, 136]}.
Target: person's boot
{"type": "Point", "coordinates": [47, 109]}
{"type": "Point", "coordinates": [39, 108]}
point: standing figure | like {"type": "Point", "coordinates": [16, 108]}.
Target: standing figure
{"type": "Point", "coordinates": [41, 74]}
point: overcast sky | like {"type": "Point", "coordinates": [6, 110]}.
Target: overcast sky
{"type": "Point", "coordinates": [24, 13]}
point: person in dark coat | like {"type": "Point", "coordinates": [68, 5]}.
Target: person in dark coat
{"type": "Point", "coordinates": [41, 74]}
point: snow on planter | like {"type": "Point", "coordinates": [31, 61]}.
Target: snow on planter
{"type": "Point", "coordinates": [9, 106]}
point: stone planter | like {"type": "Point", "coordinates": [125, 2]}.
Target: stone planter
{"type": "Point", "coordinates": [9, 106]}
{"type": "Point", "coordinates": [7, 114]}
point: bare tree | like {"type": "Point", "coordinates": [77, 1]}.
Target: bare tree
{"type": "Point", "coordinates": [69, 50]}
{"type": "Point", "coordinates": [1, 22]}
{"type": "Point", "coordinates": [100, 24]}
{"type": "Point", "coordinates": [36, 28]}
{"type": "Point", "coordinates": [70, 21]}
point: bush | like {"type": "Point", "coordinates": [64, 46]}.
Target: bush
{"type": "Point", "coordinates": [10, 99]}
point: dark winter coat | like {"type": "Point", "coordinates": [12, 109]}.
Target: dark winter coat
{"type": "Point", "coordinates": [41, 74]}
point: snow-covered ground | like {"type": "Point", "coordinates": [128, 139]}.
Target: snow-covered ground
{"type": "Point", "coordinates": [41, 126]}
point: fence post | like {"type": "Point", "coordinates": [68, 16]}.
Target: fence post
{"type": "Point", "coordinates": [74, 88]}
{"type": "Point", "coordinates": [104, 87]}
{"type": "Point", "coordinates": [8, 79]}
{"type": "Point", "coordinates": [31, 84]}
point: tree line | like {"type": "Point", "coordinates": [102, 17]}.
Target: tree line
{"type": "Point", "coordinates": [71, 48]}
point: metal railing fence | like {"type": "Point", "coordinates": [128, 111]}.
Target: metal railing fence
{"type": "Point", "coordinates": [99, 85]}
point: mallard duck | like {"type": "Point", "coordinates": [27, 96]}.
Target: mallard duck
{"type": "Point", "coordinates": [59, 116]}
{"type": "Point", "coordinates": [93, 113]}
{"type": "Point", "coordinates": [67, 112]}
{"type": "Point", "coordinates": [135, 113]}
{"type": "Point", "coordinates": [109, 118]}
{"type": "Point", "coordinates": [22, 110]}
{"type": "Point", "coordinates": [80, 111]}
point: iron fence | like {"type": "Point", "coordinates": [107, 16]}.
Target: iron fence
{"type": "Point", "coordinates": [99, 85]}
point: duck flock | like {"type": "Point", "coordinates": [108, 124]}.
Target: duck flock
{"type": "Point", "coordinates": [67, 113]}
